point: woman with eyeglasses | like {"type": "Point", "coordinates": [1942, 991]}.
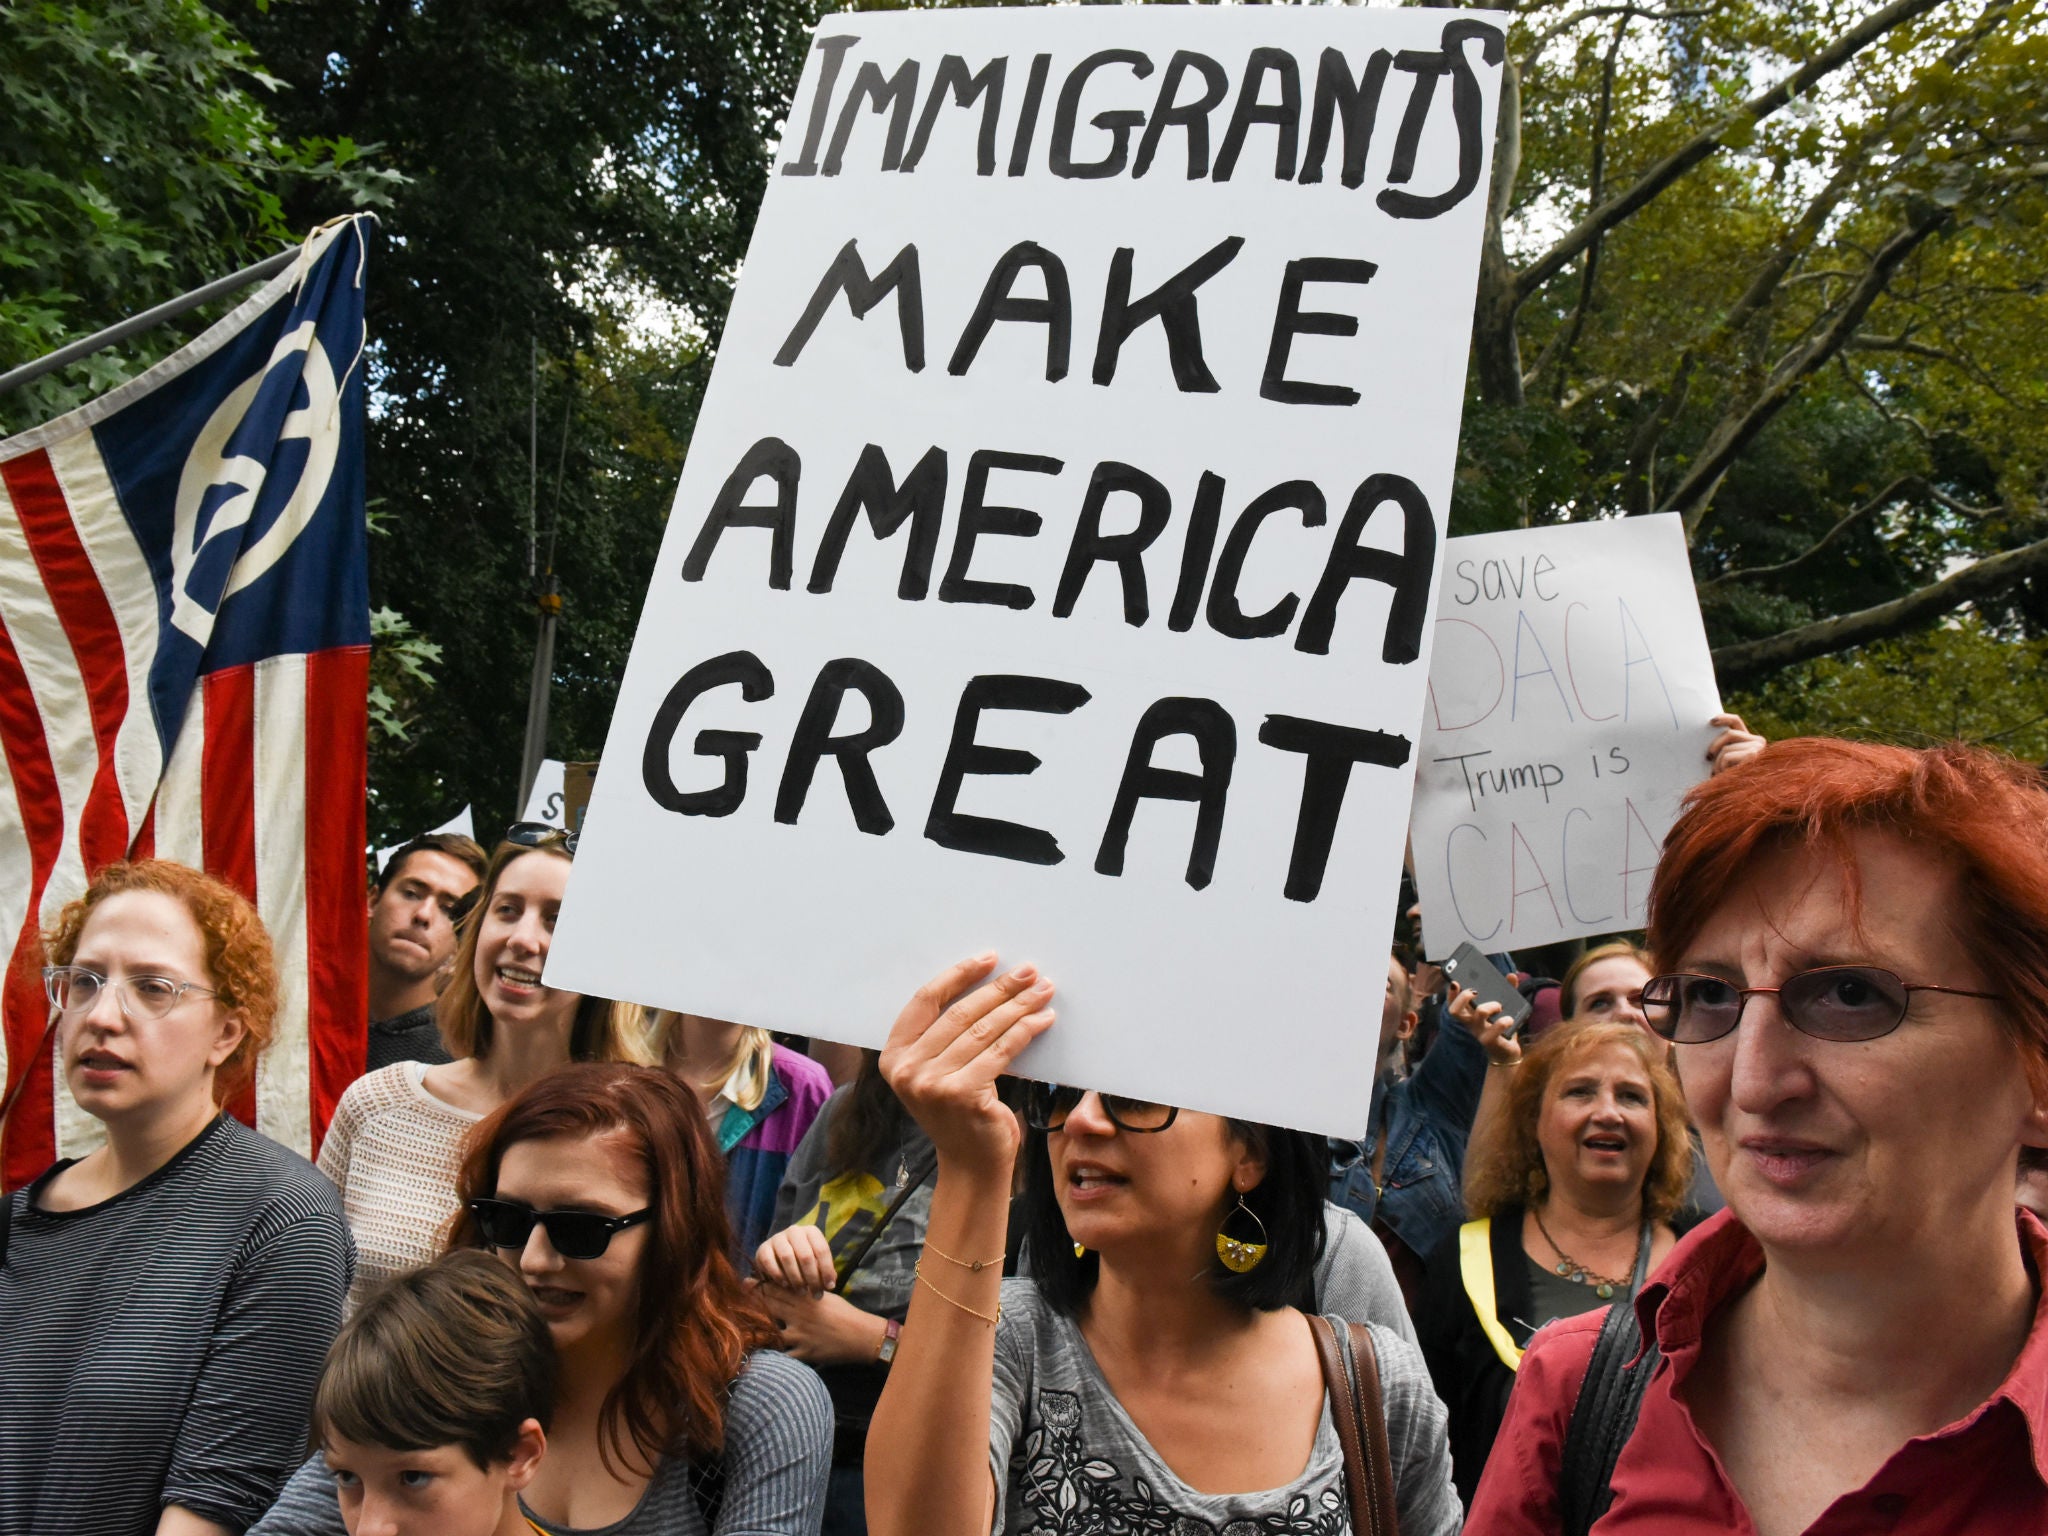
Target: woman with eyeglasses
{"type": "Point", "coordinates": [674, 1413]}
{"type": "Point", "coordinates": [1852, 943]}
{"type": "Point", "coordinates": [166, 1299]}
{"type": "Point", "coordinates": [1571, 1188]}
{"type": "Point", "coordinates": [1153, 1373]}
{"type": "Point", "coordinates": [396, 1139]}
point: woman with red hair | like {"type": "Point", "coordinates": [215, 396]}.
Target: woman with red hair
{"type": "Point", "coordinates": [166, 1299]}
{"type": "Point", "coordinates": [1852, 947]}
{"type": "Point", "coordinates": [600, 1184]}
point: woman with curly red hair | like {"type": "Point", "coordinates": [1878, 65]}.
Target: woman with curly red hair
{"type": "Point", "coordinates": [1852, 947]}
{"type": "Point", "coordinates": [167, 1298]}
{"type": "Point", "coordinates": [674, 1415]}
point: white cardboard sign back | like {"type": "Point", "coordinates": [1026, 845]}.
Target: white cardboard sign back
{"type": "Point", "coordinates": [1052, 566]}
{"type": "Point", "coordinates": [1569, 693]}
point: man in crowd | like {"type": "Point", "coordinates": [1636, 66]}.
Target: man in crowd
{"type": "Point", "coordinates": [413, 911]}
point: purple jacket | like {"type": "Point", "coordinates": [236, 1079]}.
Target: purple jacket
{"type": "Point", "coordinates": [758, 1144]}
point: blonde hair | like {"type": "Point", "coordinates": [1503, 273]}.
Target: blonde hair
{"type": "Point", "coordinates": [1504, 1164]}
{"type": "Point", "coordinates": [752, 1057]}
{"type": "Point", "coordinates": [1620, 949]}
{"type": "Point", "coordinates": [604, 1030]}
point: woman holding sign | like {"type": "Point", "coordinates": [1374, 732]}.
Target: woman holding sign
{"type": "Point", "coordinates": [1153, 1375]}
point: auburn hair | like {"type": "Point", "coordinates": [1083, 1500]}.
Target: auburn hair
{"type": "Point", "coordinates": [1982, 814]}
{"type": "Point", "coordinates": [603, 1031]}
{"type": "Point", "coordinates": [1504, 1165]}
{"type": "Point", "coordinates": [241, 967]}
{"type": "Point", "coordinates": [696, 1324]}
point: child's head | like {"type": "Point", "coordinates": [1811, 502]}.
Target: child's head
{"type": "Point", "coordinates": [435, 1403]}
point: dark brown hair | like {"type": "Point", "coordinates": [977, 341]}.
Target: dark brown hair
{"type": "Point", "coordinates": [241, 968]}
{"type": "Point", "coordinates": [1504, 1164]}
{"type": "Point", "coordinates": [696, 1325]}
{"type": "Point", "coordinates": [1981, 813]}
{"type": "Point", "coordinates": [464, 850]}
{"type": "Point", "coordinates": [868, 1122]}
{"type": "Point", "coordinates": [455, 1353]}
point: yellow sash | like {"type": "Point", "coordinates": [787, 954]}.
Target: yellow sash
{"type": "Point", "coordinates": [1475, 1264]}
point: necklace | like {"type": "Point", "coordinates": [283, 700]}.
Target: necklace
{"type": "Point", "coordinates": [1604, 1286]}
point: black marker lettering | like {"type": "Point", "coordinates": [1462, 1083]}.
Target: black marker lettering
{"type": "Point", "coordinates": [1284, 114]}
{"type": "Point", "coordinates": [1330, 751]}
{"type": "Point", "coordinates": [1358, 101]}
{"type": "Point", "coordinates": [1191, 116]}
{"type": "Point", "coordinates": [1173, 305]}
{"type": "Point", "coordinates": [1117, 124]}
{"type": "Point", "coordinates": [848, 274]}
{"type": "Point", "coordinates": [1226, 617]}
{"type": "Point", "coordinates": [1466, 102]}
{"type": "Point", "coordinates": [1126, 551]}
{"type": "Point", "coordinates": [977, 517]}
{"type": "Point", "coordinates": [1215, 735]}
{"type": "Point", "coordinates": [814, 739]}
{"type": "Point", "coordinates": [896, 95]}
{"type": "Point", "coordinates": [834, 49]}
{"type": "Point", "coordinates": [950, 827]}
{"type": "Point", "coordinates": [1291, 320]}
{"type": "Point", "coordinates": [772, 457]}
{"type": "Point", "coordinates": [1408, 573]}
{"type": "Point", "coordinates": [1055, 311]}
{"type": "Point", "coordinates": [952, 75]}
{"type": "Point", "coordinates": [1195, 551]}
{"type": "Point", "coordinates": [1027, 117]}
{"type": "Point", "coordinates": [872, 488]}
{"type": "Point", "coordinates": [742, 667]}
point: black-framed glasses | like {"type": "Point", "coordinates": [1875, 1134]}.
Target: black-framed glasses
{"type": "Point", "coordinates": [538, 834]}
{"type": "Point", "coordinates": [73, 989]}
{"type": "Point", "coordinates": [1832, 1002]}
{"type": "Point", "coordinates": [1047, 1105]}
{"type": "Point", "coordinates": [574, 1234]}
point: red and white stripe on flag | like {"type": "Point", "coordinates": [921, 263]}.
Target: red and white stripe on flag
{"type": "Point", "coordinates": [265, 777]}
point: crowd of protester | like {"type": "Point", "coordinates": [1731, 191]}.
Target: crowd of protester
{"type": "Point", "coordinates": [1733, 1232]}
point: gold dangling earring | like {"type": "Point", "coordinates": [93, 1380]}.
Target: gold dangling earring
{"type": "Point", "coordinates": [1080, 1252]}
{"type": "Point", "coordinates": [1241, 1255]}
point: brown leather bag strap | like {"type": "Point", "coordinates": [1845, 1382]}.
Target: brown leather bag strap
{"type": "Point", "coordinates": [1351, 1375]}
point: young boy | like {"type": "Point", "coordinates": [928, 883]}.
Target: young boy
{"type": "Point", "coordinates": [434, 1408]}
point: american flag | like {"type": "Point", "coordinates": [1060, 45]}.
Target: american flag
{"type": "Point", "coordinates": [184, 657]}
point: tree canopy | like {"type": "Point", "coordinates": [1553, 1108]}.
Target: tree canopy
{"type": "Point", "coordinates": [1777, 266]}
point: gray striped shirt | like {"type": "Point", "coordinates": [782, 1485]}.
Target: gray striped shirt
{"type": "Point", "coordinates": [162, 1347]}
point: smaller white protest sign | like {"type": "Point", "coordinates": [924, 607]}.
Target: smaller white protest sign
{"type": "Point", "coordinates": [463, 823]}
{"type": "Point", "coordinates": [545, 803]}
{"type": "Point", "coordinates": [1570, 690]}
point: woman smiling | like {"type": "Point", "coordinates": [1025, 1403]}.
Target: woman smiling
{"type": "Point", "coordinates": [397, 1134]}
{"type": "Point", "coordinates": [1571, 1189]}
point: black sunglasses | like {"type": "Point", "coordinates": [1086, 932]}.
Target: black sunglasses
{"type": "Point", "coordinates": [574, 1234]}
{"type": "Point", "coordinates": [538, 834]}
{"type": "Point", "coordinates": [1047, 1105]}
{"type": "Point", "coordinates": [1833, 1002]}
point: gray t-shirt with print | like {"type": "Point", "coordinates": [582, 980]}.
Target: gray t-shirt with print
{"type": "Point", "coordinates": [1069, 1461]}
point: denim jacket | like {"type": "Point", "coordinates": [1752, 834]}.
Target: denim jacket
{"type": "Point", "coordinates": [1426, 1118]}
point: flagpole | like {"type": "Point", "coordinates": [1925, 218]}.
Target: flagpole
{"type": "Point", "coordinates": [14, 378]}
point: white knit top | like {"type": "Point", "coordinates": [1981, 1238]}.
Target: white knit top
{"type": "Point", "coordinates": [393, 1150]}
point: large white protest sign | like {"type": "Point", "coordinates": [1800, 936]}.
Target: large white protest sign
{"type": "Point", "coordinates": [545, 801]}
{"type": "Point", "coordinates": [1569, 694]}
{"type": "Point", "coordinates": [1052, 567]}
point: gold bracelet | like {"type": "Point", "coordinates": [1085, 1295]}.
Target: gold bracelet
{"type": "Point", "coordinates": [917, 1273]}
{"type": "Point", "coordinates": [973, 1269]}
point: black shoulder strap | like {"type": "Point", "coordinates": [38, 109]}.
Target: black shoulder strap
{"type": "Point", "coordinates": [707, 1487]}
{"type": "Point", "coordinates": [910, 1187]}
{"type": "Point", "coordinates": [1604, 1416]}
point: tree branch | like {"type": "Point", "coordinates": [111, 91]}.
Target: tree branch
{"type": "Point", "coordinates": [1739, 427]}
{"type": "Point", "coordinates": [1564, 24]}
{"type": "Point", "coordinates": [1749, 660]}
{"type": "Point", "coordinates": [1666, 171]}
{"type": "Point", "coordinates": [1806, 557]}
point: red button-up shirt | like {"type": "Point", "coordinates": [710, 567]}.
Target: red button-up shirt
{"type": "Point", "coordinates": [1981, 1476]}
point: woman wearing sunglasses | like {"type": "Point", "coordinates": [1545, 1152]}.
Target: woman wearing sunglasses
{"type": "Point", "coordinates": [396, 1139]}
{"type": "Point", "coordinates": [1153, 1374]}
{"type": "Point", "coordinates": [166, 1298]}
{"type": "Point", "coordinates": [1852, 943]}
{"type": "Point", "coordinates": [674, 1415]}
